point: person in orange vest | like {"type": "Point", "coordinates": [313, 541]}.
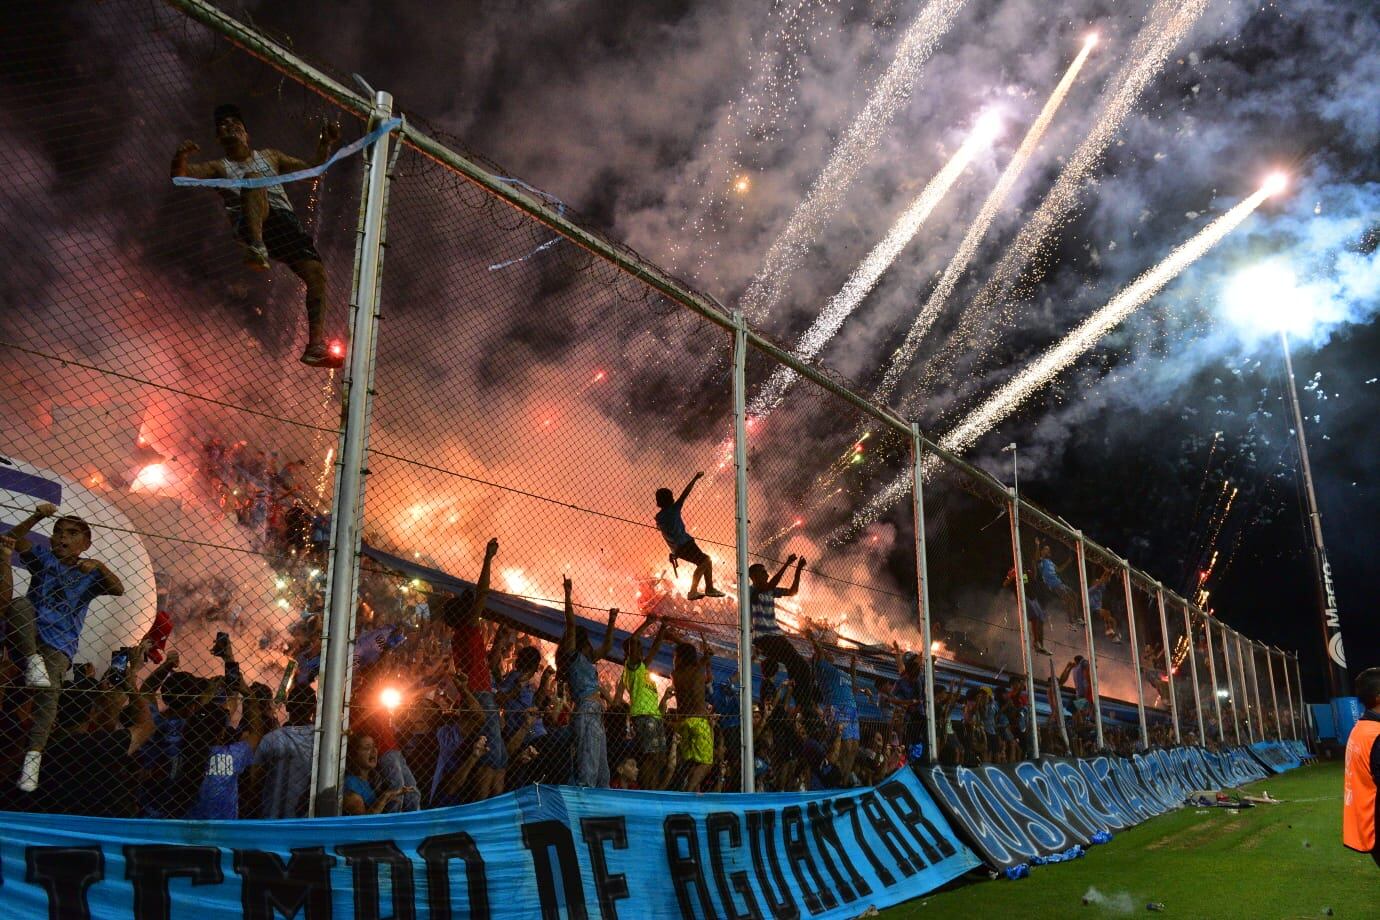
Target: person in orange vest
{"type": "Point", "coordinates": [1360, 805]}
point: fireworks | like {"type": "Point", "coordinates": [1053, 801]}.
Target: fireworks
{"type": "Point", "coordinates": [900, 361]}
{"type": "Point", "coordinates": [870, 270]}
{"type": "Point", "coordinates": [1076, 343]}
{"type": "Point", "coordinates": [826, 195]}
{"type": "Point", "coordinates": [1091, 330]}
{"type": "Point", "coordinates": [1165, 26]}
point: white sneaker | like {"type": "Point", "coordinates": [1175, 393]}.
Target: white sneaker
{"type": "Point", "coordinates": [28, 776]}
{"type": "Point", "coordinates": [36, 673]}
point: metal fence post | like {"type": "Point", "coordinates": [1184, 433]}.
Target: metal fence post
{"type": "Point", "coordinates": [1193, 673]}
{"type": "Point", "coordinates": [1289, 695]}
{"type": "Point", "coordinates": [1168, 664]}
{"type": "Point", "coordinates": [1304, 714]}
{"type": "Point", "coordinates": [1013, 511]}
{"type": "Point", "coordinates": [1274, 695]}
{"type": "Point", "coordinates": [1081, 549]}
{"type": "Point", "coordinates": [1212, 676]}
{"type": "Point", "coordinates": [342, 579]}
{"type": "Point", "coordinates": [922, 584]}
{"type": "Point", "coordinates": [740, 516]}
{"type": "Point", "coordinates": [1231, 685]}
{"type": "Point", "coordinates": [1255, 685]}
{"type": "Point", "coordinates": [1245, 687]}
{"type": "Point", "coordinates": [1135, 650]}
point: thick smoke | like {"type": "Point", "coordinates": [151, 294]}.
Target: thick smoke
{"type": "Point", "coordinates": [632, 114]}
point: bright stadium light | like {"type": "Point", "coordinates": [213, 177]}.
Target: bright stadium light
{"type": "Point", "coordinates": [1266, 299]}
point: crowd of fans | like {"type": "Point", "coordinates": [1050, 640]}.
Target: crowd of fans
{"type": "Point", "coordinates": [450, 705]}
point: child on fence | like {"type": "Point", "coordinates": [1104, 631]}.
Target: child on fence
{"type": "Point", "coordinates": [262, 218]}
{"type": "Point", "coordinates": [45, 625]}
{"type": "Point", "coordinates": [683, 546]}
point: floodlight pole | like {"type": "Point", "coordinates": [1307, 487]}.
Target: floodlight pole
{"type": "Point", "coordinates": [337, 623]}
{"type": "Point", "coordinates": [748, 759]}
{"type": "Point", "coordinates": [1327, 598]}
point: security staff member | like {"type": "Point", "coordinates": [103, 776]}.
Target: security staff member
{"type": "Point", "coordinates": [1360, 805]}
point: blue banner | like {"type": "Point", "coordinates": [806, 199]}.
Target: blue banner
{"type": "Point", "coordinates": [542, 851]}
{"type": "Point", "coordinates": [1015, 813]}
{"type": "Point", "coordinates": [1278, 756]}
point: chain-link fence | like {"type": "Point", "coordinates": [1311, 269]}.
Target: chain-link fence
{"type": "Point", "coordinates": [547, 587]}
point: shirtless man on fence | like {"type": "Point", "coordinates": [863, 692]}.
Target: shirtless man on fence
{"type": "Point", "coordinates": [262, 218]}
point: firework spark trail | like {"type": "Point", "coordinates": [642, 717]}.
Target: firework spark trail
{"type": "Point", "coordinates": [758, 113]}
{"type": "Point", "coordinates": [900, 361]}
{"type": "Point", "coordinates": [1019, 388]}
{"type": "Point", "coordinates": [874, 265]}
{"type": "Point", "coordinates": [826, 194]}
{"type": "Point", "coordinates": [1165, 27]}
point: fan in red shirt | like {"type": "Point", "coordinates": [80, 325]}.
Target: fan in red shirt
{"type": "Point", "coordinates": [470, 655]}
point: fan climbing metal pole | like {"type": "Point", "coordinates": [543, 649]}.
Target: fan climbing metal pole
{"type": "Point", "coordinates": [922, 583]}
{"type": "Point", "coordinates": [337, 633]}
{"type": "Point", "coordinates": [747, 754]}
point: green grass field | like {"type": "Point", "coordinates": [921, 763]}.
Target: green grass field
{"type": "Point", "coordinates": [1267, 862]}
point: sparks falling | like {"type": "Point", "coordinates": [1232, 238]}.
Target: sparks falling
{"type": "Point", "coordinates": [1091, 331]}
{"type": "Point", "coordinates": [1165, 26]}
{"type": "Point", "coordinates": [1072, 346]}
{"type": "Point", "coordinates": [871, 269]}
{"type": "Point", "coordinates": [826, 195]}
{"type": "Point", "coordinates": [900, 361]}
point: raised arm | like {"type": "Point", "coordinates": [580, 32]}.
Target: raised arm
{"type": "Point", "coordinates": [795, 580]}
{"type": "Point", "coordinates": [1064, 674]}
{"type": "Point", "coordinates": [326, 143]}
{"type": "Point", "coordinates": [481, 587]}
{"type": "Point", "coordinates": [211, 169]}
{"type": "Point", "coordinates": [657, 642]}
{"type": "Point", "coordinates": [20, 531]}
{"type": "Point", "coordinates": [110, 582]}
{"type": "Point", "coordinates": [607, 645]}
{"type": "Point", "coordinates": [142, 727]}
{"type": "Point", "coordinates": [6, 571]}
{"type": "Point", "coordinates": [567, 643]}
{"type": "Point", "coordinates": [685, 493]}
{"type": "Point", "coordinates": [781, 572]}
